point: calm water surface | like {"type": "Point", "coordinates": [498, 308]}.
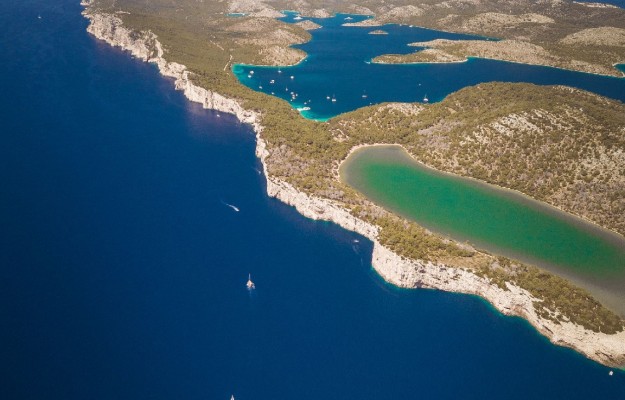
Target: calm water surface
{"type": "Point", "coordinates": [337, 76]}
{"type": "Point", "coordinates": [497, 220]}
{"type": "Point", "coordinates": [122, 272]}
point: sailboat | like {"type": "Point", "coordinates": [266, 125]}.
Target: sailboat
{"type": "Point", "coordinates": [425, 98]}
{"type": "Point", "coordinates": [250, 285]}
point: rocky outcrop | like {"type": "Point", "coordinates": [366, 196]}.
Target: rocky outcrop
{"type": "Point", "coordinates": [607, 349]}
{"type": "Point", "coordinates": [315, 207]}
{"type": "Point", "coordinates": [308, 25]}
{"type": "Point", "coordinates": [603, 36]}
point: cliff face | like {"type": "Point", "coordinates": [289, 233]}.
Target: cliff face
{"type": "Point", "coordinates": [606, 349]}
{"type": "Point", "coordinates": [515, 301]}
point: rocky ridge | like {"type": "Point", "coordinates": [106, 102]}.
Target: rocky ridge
{"type": "Point", "coordinates": [606, 349]}
{"type": "Point", "coordinates": [445, 50]}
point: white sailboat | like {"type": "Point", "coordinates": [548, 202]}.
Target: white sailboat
{"type": "Point", "coordinates": [250, 285]}
{"type": "Point", "coordinates": [425, 98]}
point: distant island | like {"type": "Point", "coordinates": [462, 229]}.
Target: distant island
{"type": "Point", "coordinates": [559, 145]}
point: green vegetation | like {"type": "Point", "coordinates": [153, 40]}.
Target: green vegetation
{"type": "Point", "coordinates": [561, 301]}
{"type": "Point", "coordinates": [558, 145]}
{"type": "Point", "coordinates": [539, 23]}
{"type": "Point", "coordinates": [556, 165]}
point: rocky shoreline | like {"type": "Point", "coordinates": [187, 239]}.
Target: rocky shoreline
{"type": "Point", "coordinates": [514, 51]}
{"type": "Point", "coordinates": [603, 348]}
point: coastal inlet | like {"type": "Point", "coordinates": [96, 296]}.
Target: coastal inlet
{"type": "Point", "coordinates": [497, 220]}
{"type": "Point", "coordinates": [338, 75]}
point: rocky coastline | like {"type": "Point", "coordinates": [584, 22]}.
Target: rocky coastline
{"type": "Point", "coordinates": [606, 349]}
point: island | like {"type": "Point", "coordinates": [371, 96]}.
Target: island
{"type": "Point", "coordinates": [562, 146]}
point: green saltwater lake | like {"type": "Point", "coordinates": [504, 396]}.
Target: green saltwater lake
{"type": "Point", "coordinates": [494, 219]}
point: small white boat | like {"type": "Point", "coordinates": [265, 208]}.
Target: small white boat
{"type": "Point", "coordinates": [272, 81]}
{"type": "Point", "coordinates": [279, 71]}
{"type": "Point", "coordinates": [298, 18]}
{"type": "Point", "coordinates": [251, 72]}
{"type": "Point", "coordinates": [333, 99]}
{"type": "Point", "coordinates": [425, 98]}
{"type": "Point", "coordinates": [250, 285]}
{"type": "Point", "coordinates": [249, 75]}
{"type": "Point", "coordinates": [303, 109]}
{"type": "Point", "coordinates": [292, 77]}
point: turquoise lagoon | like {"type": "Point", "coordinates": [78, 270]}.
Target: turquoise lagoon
{"type": "Point", "coordinates": [338, 76]}
{"type": "Point", "coordinates": [498, 220]}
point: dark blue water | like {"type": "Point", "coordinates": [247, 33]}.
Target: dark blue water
{"type": "Point", "coordinates": [337, 76]}
{"type": "Point", "coordinates": [122, 273]}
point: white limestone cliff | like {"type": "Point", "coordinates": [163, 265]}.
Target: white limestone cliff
{"type": "Point", "coordinates": [606, 349]}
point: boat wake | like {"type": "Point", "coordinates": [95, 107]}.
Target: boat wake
{"type": "Point", "coordinates": [235, 208]}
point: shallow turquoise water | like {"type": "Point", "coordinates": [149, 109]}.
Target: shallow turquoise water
{"type": "Point", "coordinates": [337, 75]}
{"type": "Point", "coordinates": [494, 219]}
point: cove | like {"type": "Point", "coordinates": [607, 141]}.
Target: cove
{"type": "Point", "coordinates": [338, 75]}
{"type": "Point", "coordinates": [498, 220]}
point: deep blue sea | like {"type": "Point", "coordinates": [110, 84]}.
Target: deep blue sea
{"type": "Point", "coordinates": [122, 271]}
{"type": "Point", "coordinates": [338, 75]}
